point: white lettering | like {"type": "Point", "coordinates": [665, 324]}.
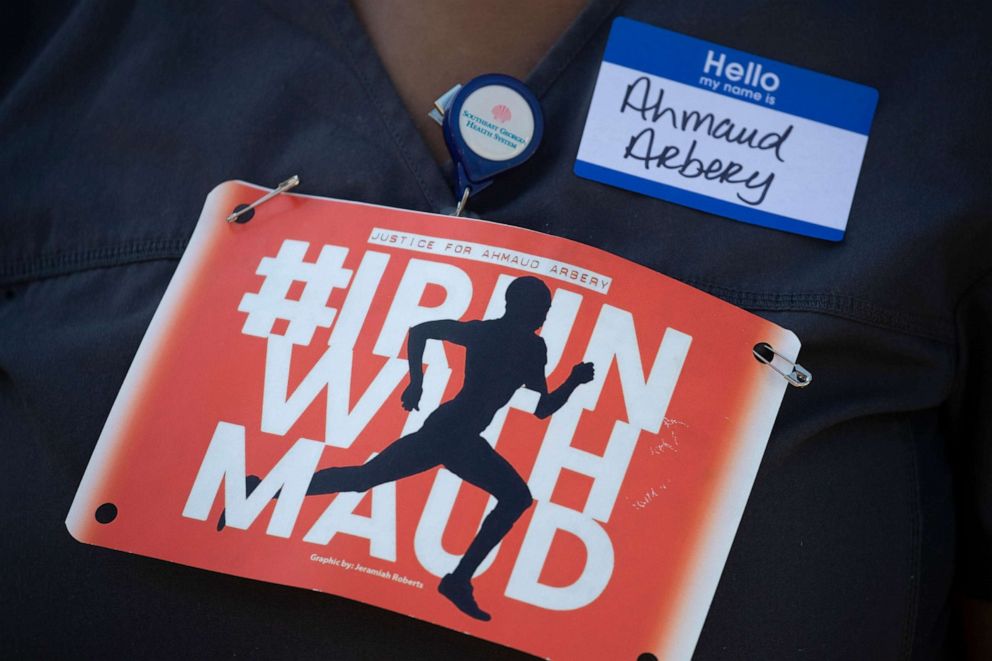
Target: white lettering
{"type": "Point", "coordinates": [714, 62]}
{"type": "Point", "coordinates": [524, 584]}
{"type": "Point", "coordinates": [406, 310]}
{"type": "Point", "coordinates": [332, 372]}
{"type": "Point", "coordinates": [646, 400]}
{"type": "Point", "coordinates": [379, 527]}
{"type": "Point", "coordinates": [750, 74]}
{"type": "Point", "coordinates": [225, 462]}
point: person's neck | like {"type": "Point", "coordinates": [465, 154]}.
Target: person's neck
{"type": "Point", "coordinates": [430, 45]}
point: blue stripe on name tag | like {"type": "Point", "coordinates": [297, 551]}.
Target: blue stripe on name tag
{"type": "Point", "coordinates": [684, 59]}
{"type": "Point", "coordinates": [704, 202]}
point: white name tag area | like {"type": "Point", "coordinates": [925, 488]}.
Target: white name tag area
{"type": "Point", "coordinates": [726, 132]}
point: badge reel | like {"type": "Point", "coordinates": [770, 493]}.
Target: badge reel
{"type": "Point", "coordinates": [491, 124]}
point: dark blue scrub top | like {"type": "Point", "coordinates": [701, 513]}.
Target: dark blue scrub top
{"type": "Point", "coordinates": [874, 501]}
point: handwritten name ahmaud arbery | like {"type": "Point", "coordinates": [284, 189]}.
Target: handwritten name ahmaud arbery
{"type": "Point", "coordinates": [687, 161]}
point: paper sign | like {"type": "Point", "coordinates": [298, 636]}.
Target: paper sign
{"type": "Point", "coordinates": [274, 425]}
{"type": "Point", "coordinates": [726, 132]}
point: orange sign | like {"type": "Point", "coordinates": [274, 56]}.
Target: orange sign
{"type": "Point", "coordinates": [491, 429]}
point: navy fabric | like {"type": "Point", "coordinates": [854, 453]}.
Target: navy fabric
{"type": "Point", "coordinates": [874, 500]}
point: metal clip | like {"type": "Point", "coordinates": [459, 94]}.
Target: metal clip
{"type": "Point", "coordinates": [797, 375]}
{"type": "Point", "coordinates": [442, 104]}
{"type": "Point", "coordinates": [462, 203]}
{"type": "Point", "coordinates": [241, 210]}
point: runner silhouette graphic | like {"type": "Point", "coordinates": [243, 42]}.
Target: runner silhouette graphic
{"type": "Point", "coordinates": [501, 355]}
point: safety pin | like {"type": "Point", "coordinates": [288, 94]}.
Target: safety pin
{"type": "Point", "coordinates": [290, 183]}
{"type": "Point", "coordinates": [799, 376]}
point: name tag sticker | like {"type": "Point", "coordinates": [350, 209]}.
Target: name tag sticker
{"type": "Point", "coordinates": [726, 132]}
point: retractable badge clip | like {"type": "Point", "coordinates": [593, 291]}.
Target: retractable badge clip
{"type": "Point", "coordinates": [491, 124]}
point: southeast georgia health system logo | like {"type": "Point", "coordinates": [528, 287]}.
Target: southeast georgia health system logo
{"type": "Point", "coordinates": [508, 132]}
{"type": "Point", "coordinates": [501, 113]}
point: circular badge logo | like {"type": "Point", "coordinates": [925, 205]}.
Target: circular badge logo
{"type": "Point", "coordinates": [496, 123]}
